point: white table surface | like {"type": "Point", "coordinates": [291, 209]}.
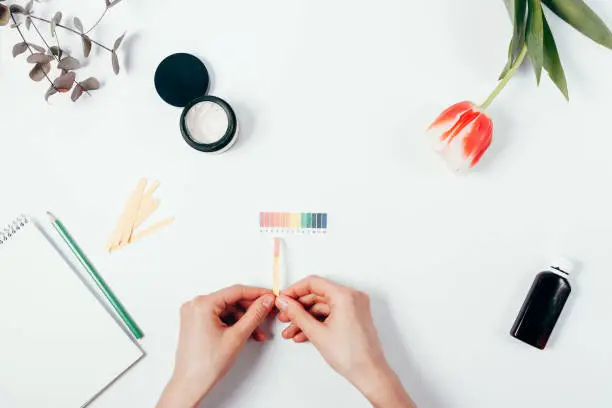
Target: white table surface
{"type": "Point", "coordinates": [333, 98]}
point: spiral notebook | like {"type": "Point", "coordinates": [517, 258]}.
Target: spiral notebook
{"type": "Point", "coordinates": [59, 346]}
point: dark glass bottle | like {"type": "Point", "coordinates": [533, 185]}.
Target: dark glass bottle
{"type": "Point", "coordinates": [543, 305]}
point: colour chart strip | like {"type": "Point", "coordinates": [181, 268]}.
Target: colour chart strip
{"type": "Point", "coordinates": [293, 223]}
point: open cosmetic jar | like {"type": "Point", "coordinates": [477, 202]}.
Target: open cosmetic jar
{"type": "Point", "coordinates": [208, 123]}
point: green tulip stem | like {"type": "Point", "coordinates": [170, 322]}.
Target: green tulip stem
{"type": "Point", "coordinates": [504, 81]}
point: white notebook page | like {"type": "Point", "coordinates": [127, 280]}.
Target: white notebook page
{"type": "Point", "coordinates": [59, 347]}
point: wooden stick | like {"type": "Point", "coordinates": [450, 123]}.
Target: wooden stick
{"type": "Point", "coordinates": [146, 209]}
{"type": "Point", "coordinates": [117, 234]}
{"type": "Point", "coordinates": [132, 212]}
{"type": "Point", "coordinates": [152, 189]}
{"type": "Point", "coordinates": [152, 229]}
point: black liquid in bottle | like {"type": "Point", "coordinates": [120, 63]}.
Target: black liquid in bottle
{"type": "Point", "coordinates": [543, 305]}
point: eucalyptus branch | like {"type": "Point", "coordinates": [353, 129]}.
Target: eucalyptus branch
{"type": "Point", "coordinates": [98, 22]}
{"type": "Point", "coordinates": [30, 49]}
{"type": "Point", "coordinates": [59, 47]}
{"type": "Point", "coordinates": [45, 41]}
{"type": "Point", "coordinates": [45, 58]}
{"type": "Point", "coordinates": [57, 57]}
{"type": "Point", "coordinates": [72, 30]}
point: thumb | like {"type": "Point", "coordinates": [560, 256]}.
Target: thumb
{"type": "Point", "coordinates": [299, 317]}
{"type": "Point", "coordinates": [254, 316]}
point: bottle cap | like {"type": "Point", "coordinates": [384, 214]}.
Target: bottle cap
{"type": "Point", "coordinates": [563, 265]}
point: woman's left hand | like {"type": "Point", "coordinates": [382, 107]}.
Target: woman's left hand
{"type": "Point", "coordinates": [214, 328]}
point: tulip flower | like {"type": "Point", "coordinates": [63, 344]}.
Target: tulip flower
{"type": "Point", "coordinates": [462, 135]}
{"type": "Point", "coordinates": [463, 132]}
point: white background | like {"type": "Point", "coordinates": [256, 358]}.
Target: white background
{"type": "Point", "coordinates": [333, 98]}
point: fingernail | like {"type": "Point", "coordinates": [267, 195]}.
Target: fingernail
{"type": "Point", "coordinates": [268, 300]}
{"type": "Point", "coordinates": [281, 303]}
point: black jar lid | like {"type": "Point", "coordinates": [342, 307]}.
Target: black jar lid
{"type": "Point", "coordinates": [180, 78]}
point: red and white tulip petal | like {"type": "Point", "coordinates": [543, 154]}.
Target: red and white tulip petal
{"type": "Point", "coordinates": [462, 134]}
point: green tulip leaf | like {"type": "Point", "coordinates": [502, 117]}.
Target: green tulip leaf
{"type": "Point", "coordinates": [535, 36]}
{"type": "Point", "coordinates": [517, 10]}
{"type": "Point", "coordinates": [552, 62]}
{"type": "Point", "coordinates": [580, 16]}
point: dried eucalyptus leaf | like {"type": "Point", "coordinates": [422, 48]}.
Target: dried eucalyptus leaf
{"type": "Point", "coordinates": [114, 3]}
{"type": "Point", "coordinates": [78, 24]}
{"type": "Point", "coordinates": [118, 42]}
{"type": "Point", "coordinates": [4, 15]}
{"type": "Point", "coordinates": [76, 93]}
{"type": "Point", "coordinates": [51, 91]}
{"type": "Point", "coordinates": [57, 51]}
{"type": "Point", "coordinates": [52, 28]}
{"type": "Point", "coordinates": [28, 22]}
{"type": "Point", "coordinates": [64, 83]}
{"type": "Point", "coordinates": [38, 47]}
{"type": "Point", "coordinates": [90, 84]}
{"type": "Point", "coordinates": [108, 3]}
{"type": "Point", "coordinates": [39, 71]}
{"type": "Point", "coordinates": [57, 18]}
{"type": "Point", "coordinates": [19, 49]}
{"type": "Point", "coordinates": [15, 25]}
{"type": "Point", "coordinates": [69, 63]}
{"type": "Point", "coordinates": [28, 7]}
{"type": "Point", "coordinates": [39, 58]}
{"type": "Point", "coordinates": [17, 9]}
{"type": "Point", "coordinates": [86, 46]}
{"type": "Point", "coordinates": [115, 64]}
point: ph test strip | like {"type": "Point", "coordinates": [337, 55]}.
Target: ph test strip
{"type": "Point", "coordinates": [293, 222]}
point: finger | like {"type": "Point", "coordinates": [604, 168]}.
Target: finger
{"type": "Point", "coordinates": [312, 284]}
{"type": "Point", "coordinates": [235, 314]}
{"type": "Point", "coordinates": [307, 301]}
{"type": "Point", "coordinates": [234, 294]}
{"type": "Point", "coordinates": [300, 338]}
{"type": "Point", "coordinates": [291, 331]}
{"type": "Point", "coordinates": [311, 299]}
{"type": "Point", "coordinates": [254, 316]}
{"type": "Point", "coordinates": [320, 310]}
{"type": "Point", "coordinates": [299, 316]}
{"type": "Point", "coordinates": [258, 335]}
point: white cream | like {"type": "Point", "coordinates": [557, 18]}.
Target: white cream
{"type": "Point", "coordinates": [206, 122]}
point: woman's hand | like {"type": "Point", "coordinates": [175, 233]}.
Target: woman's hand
{"type": "Point", "coordinates": [338, 322]}
{"type": "Point", "coordinates": [214, 328]}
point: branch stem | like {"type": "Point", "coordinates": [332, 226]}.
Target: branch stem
{"type": "Point", "coordinates": [44, 41]}
{"type": "Point", "coordinates": [504, 81]}
{"type": "Point", "coordinates": [72, 30]}
{"type": "Point", "coordinates": [97, 22]}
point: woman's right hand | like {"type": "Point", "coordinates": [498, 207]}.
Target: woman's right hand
{"type": "Point", "coordinates": [338, 321]}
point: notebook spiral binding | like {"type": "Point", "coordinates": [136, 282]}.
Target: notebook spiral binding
{"type": "Point", "coordinates": [13, 228]}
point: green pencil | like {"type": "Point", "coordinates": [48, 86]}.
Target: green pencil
{"type": "Point", "coordinates": [106, 291]}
